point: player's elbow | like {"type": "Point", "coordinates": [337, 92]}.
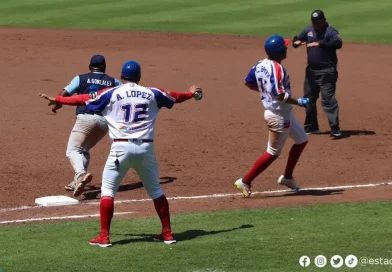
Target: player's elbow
{"type": "Point", "coordinates": [251, 86]}
{"type": "Point", "coordinates": [340, 45]}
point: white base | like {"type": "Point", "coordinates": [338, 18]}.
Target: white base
{"type": "Point", "coordinates": [56, 201]}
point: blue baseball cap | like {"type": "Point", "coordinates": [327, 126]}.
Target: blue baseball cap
{"type": "Point", "coordinates": [97, 61]}
{"type": "Point", "coordinates": [131, 70]}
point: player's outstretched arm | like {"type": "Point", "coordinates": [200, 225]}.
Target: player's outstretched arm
{"type": "Point", "coordinates": [287, 98]}
{"type": "Point", "coordinates": [194, 92]}
{"type": "Point", "coordinates": [58, 106]}
{"type": "Point", "coordinates": [76, 100]}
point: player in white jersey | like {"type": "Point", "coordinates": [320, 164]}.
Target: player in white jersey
{"type": "Point", "coordinates": [130, 111]}
{"type": "Point", "coordinates": [271, 79]}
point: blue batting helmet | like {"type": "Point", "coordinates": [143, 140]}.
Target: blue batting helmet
{"type": "Point", "coordinates": [276, 45]}
{"type": "Point", "coordinates": [131, 70]}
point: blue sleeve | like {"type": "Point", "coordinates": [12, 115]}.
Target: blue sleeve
{"type": "Point", "coordinates": [163, 99]}
{"type": "Point", "coordinates": [117, 82]}
{"type": "Point", "coordinates": [73, 86]}
{"type": "Point", "coordinates": [334, 34]}
{"type": "Point", "coordinates": [251, 77]}
{"type": "Point", "coordinates": [302, 36]}
{"type": "Point", "coordinates": [100, 102]}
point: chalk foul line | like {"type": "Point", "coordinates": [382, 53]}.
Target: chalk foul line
{"type": "Point", "coordinates": [220, 195]}
{"type": "Point", "coordinates": [253, 193]}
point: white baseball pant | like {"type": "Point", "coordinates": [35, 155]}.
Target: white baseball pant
{"type": "Point", "coordinates": [281, 125]}
{"type": "Point", "coordinates": [138, 156]}
{"type": "Point", "coordinates": [86, 133]}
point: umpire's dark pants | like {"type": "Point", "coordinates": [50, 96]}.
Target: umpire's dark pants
{"type": "Point", "coordinates": [323, 81]}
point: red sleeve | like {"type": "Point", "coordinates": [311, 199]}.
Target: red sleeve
{"type": "Point", "coordinates": [180, 96]}
{"type": "Point", "coordinates": [78, 100]}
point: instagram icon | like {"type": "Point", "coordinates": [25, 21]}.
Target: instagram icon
{"type": "Point", "coordinates": [320, 261]}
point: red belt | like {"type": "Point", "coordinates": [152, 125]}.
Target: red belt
{"type": "Point", "coordinates": [133, 140]}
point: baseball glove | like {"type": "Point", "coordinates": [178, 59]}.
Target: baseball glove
{"type": "Point", "coordinates": [198, 95]}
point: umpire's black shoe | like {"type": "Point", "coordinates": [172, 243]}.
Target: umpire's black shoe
{"type": "Point", "coordinates": [309, 131]}
{"type": "Point", "coordinates": [336, 133]}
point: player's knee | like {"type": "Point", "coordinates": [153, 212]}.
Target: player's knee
{"type": "Point", "coordinates": [302, 139]}
{"type": "Point", "coordinates": [68, 153]}
{"type": "Point", "coordinates": [302, 142]}
{"type": "Point", "coordinates": [105, 192]}
{"type": "Point", "coordinates": [108, 189]}
{"type": "Point", "coordinates": [155, 193]}
{"type": "Point", "coordinates": [274, 151]}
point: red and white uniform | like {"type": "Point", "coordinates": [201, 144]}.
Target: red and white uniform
{"type": "Point", "coordinates": [272, 79]}
{"type": "Point", "coordinates": [130, 111]}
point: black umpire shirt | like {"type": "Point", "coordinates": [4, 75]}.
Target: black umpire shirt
{"type": "Point", "coordinates": [323, 56]}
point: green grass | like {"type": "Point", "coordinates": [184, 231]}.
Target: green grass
{"type": "Point", "coordinates": [357, 20]}
{"type": "Point", "coordinates": [242, 240]}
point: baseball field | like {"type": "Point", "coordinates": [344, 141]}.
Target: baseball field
{"type": "Point", "coordinates": [202, 147]}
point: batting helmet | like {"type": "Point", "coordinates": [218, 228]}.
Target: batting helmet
{"type": "Point", "coordinates": [276, 45]}
{"type": "Point", "coordinates": [131, 70]}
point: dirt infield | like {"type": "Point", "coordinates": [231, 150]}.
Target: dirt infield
{"type": "Point", "coordinates": [202, 147]}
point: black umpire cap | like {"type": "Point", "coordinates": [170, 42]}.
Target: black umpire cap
{"type": "Point", "coordinates": [317, 15]}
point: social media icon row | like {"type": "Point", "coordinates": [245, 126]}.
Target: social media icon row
{"type": "Point", "coordinates": [336, 261]}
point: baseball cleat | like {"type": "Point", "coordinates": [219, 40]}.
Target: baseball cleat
{"type": "Point", "coordinates": [290, 183]}
{"type": "Point", "coordinates": [70, 187]}
{"type": "Point", "coordinates": [82, 181]}
{"type": "Point", "coordinates": [101, 240]}
{"type": "Point", "coordinates": [243, 187]}
{"type": "Point", "coordinates": [167, 238]}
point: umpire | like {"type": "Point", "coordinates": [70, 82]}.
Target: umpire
{"type": "Point", "coordinates": [322, 41]}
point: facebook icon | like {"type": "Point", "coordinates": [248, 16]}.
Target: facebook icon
{"type": "Point", "coordinates": [304, 261]}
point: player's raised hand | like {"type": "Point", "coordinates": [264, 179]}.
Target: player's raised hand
{"type": "Point", "coordinates": [197, 92]}
{"type": "Point", "coordinates": [52, 102]}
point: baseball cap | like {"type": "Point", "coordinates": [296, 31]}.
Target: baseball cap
{"type": "Point", "coordinates": [317, 15]}
{"type": "Point", "coordinates": [97, 61]}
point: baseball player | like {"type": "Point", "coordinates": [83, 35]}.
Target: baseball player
{"type": "Point", "coordinates": [131, 111]}
{"type": "Point", "coordinates": [271, 80]}
{"type": "Point", "coordinates": [90, 126]}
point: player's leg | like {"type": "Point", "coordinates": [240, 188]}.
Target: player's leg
{"type": "Point", "coordinates": [328, 99]}
{"type": "Point", "coordinates": [87, 132]}
{"type": "Point", "coordinates": [300, 140]}
{"type": "Point", "coordinates": [278, 132]}
{"type": "Point", "coordinates": [311, 91]}
{"type": "Point", "coordinates": [99, 129]}
{"type": "Point", "coordinates": [146, 166]}
{"type": "Point", "coordinates": [116, 167]}
{"type": "Point", "coordinates": [76, 153]}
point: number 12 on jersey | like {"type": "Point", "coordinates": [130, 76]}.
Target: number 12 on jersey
{"type": "Point", "coordinates": [134, 114]}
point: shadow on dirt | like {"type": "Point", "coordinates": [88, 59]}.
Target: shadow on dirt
{"type": "Point", "coordinates": [182, 236]}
